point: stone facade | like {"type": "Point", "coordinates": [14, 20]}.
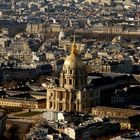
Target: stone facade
{"type": "Point", "coordinates": [71, 94]}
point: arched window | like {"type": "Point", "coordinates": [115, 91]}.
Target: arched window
{"type": "Point", "coordinates": [70, 71]}
{"type": "Point", "coordinates": [70, 81]}
{"type": "Point", "coordinates": [50, 105]}
{"type": "Point", "coordinates": [83, 96]}
{"type": "Point", "coordinates": [76, 82]}
{"type": "Point", "coordinates": [65, 81]}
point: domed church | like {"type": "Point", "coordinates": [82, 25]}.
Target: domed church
{"type": "Point", "coordinates": [71, 94]}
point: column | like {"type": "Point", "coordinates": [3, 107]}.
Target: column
{"type": "Point", "coordinates": [54, 105]}
{"type": "Point", "coordinates": [64, 106]}
{"type": "Point", "coordinates": [77, 105]}
{"type": "Point", "coordinates": [70, 98]}
{"type": "Point", "coordinates": [70, 107]}
{"type": "Point", "coordinates": [57, 106]}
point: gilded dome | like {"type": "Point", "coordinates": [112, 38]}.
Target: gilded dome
{"type": "Point", "coordinates": [73, 60]}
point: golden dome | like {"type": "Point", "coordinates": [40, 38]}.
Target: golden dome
{"type": "Point", "coordinates": [73, 60]}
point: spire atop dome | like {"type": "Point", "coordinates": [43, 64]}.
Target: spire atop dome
{"type": "Point", "coordinates": [74, 47]}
